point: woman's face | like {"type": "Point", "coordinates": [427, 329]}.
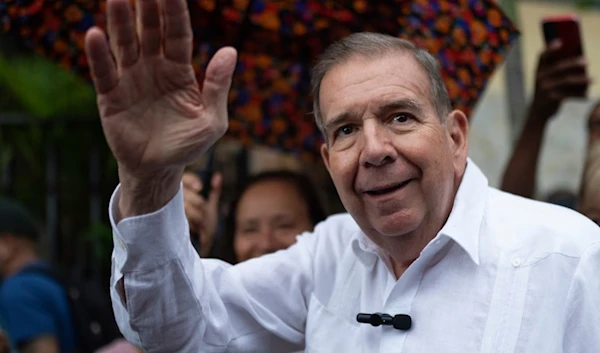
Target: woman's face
{"type": "Point", "coordinates": [270, 215]}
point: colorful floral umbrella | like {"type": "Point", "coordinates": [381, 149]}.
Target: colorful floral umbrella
{"type": "Point", "coordinates": [279, 41]}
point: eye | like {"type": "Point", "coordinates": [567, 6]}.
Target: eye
{"type": "Point", "coordinates": [286, 225]}
{"type": "Point", "coordinates": [248, 230]}
{"type": "Point", "coordinates": [402, 117]}
{"type": "Point", "coordinates": [345, 130]}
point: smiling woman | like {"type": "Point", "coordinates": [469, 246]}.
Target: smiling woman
{"type": "Point", "coordinates": [267, 214]}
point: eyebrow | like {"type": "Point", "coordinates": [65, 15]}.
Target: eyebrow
{"type": "Point", "coordinates": [401, 104]}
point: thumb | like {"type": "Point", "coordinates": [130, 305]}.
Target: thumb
{"type": "Point", "coordinates": [217, 81]}
{"type": "Point", "coordinates": [216, 187]}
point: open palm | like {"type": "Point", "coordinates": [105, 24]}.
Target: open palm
{"type": "Point", "coordinates": [153, 113]}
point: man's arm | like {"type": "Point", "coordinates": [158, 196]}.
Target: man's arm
{"type": "Point", "coordinates": [166, 299]}
{"type": "Point", "coordinates": [557, 78]}
{"type": "Point", "coordinates": [520, 175]}
{"type": "Point", "coordinates": [42, 344]}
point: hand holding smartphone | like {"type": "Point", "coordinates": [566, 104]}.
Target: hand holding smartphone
{"type": "Point", "coordinates": [561, 72]}
{"type": "Point", "coordinates": [566, 29]}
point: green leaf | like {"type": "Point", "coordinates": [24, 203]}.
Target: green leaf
{"type": "Point", "coordinates": [45, 90]}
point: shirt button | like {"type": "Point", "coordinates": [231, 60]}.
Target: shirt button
{"type": "Point", "coordinates": [121, 244]}
{"type": "Point", "coordinates": [516, 262]}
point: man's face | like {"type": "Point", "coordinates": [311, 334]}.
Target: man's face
{"type": "Point", "coordinates": [394, 164]}
{"type": "Point", "coordinates": [594, 125]}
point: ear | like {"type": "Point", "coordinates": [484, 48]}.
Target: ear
{"type": "Point", "coordinates": [325, 156]}
{"type": "Point", "coordinates": [457, 125]}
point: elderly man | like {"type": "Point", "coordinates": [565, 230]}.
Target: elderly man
{"type": "Point", "coordinates": [476, 269]}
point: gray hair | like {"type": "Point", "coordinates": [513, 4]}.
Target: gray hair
{"type": "Point", "coordinates": [371, 46]}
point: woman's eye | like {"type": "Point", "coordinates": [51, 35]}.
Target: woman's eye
{"type": "Point", "coordinates": [248, 230]}
{"type": "Point", "coordinates": [286, 226]}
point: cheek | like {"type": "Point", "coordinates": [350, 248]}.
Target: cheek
{"type": "Point", "coordinates": [343, 168]}
{"type": "Point", "coordinates": [242, 246]}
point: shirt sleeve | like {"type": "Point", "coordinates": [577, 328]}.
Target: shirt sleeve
{"type": "Point", "coordinates": [582, 327]}
{"type": "Point", "coordinates": [175, 302]}
{"type": "Point", "coordinates": [27, 316]}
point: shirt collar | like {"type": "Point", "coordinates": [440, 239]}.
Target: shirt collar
{"type": "Point", "coordinates": [464, 221]}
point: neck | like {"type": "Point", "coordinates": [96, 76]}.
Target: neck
{"type": "Point", "coordinates": [18, 262]}
{"type": "Point", "coordinates": [403, 250]}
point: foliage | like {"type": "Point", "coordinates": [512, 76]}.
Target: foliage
{"type": "Point", "coordinates": [62, 114]}
{"type": "Point", "coordinates": [585, 4]}
{"type": "Point", "coordinates": [44, 90]}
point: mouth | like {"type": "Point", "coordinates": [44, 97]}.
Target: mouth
{"type": "Point", "coordinates": [388, 189]}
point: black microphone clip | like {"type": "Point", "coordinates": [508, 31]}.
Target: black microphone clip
{"type": "Point", "coordinates": [399, 322]}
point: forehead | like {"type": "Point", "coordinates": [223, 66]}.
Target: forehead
{"type": "Point", "coordinates": [270, 198]}
{"type": "Point", "coordinates": [270, 192]}
{"type": "Point", "coordinates": [361, 82]}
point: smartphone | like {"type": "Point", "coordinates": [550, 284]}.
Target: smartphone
{"type": "Point", "coordinates": [565, 28]}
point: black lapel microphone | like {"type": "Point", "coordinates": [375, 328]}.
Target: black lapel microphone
{"type": "Point", "coordinates": [400, 322]}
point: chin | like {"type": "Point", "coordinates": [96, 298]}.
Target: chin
{"type": "Point", "coordinates": [396, 224]}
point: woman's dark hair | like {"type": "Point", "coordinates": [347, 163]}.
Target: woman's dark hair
{"type": "Point", "coordinates": [224, 248]}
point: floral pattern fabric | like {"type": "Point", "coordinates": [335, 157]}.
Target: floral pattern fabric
{"type": "Point", "coordinates": [280, 40]}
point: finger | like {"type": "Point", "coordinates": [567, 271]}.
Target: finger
{"type": "Point", "coordinates": [215, 191]}
{"type": "Point", "coordinates": [150, 28]}
{"type": "Point", "coordinates": [217, 80]}
{"type": "Point", "coordinates": [563, 67]}
{"type": "Point", "coordinates": [178, 31]}
{"type": "Point", "coordinates": [572, 92]}
{"type": "Point", "coordinates": [194, 199]}
{"type": "Point", "coordinates": [102, 66]}
{"type": "Point", "coordinates": [192, 182]}
{"type": "Point", "coordinates": [122, 34]}
{"type": "Point", "coordinates": [569, 83]}
{"type": "Point", "coordinates": [551, 53]}
{"type": "Point", "coordinates": [194, 215]}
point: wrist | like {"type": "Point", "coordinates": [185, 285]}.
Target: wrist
{"type": "Point", "coordinates": [147, 193]}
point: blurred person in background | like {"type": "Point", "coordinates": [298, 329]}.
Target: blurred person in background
{"type": "Point", "coordinates": [557, 78]}
{"type": "Point", "coordinates": [589, 194]}
{"type": "Point", "coordinates": [266, 214]}
{"type": "Point", "coordinates": [202, 214]}
{"type": "Point", "coordinates": [34, 309]}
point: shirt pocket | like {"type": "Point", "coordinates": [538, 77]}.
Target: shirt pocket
{"type": "Point", "coordinates": [327, 332]}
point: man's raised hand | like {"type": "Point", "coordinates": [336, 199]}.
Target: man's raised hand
{"type": "Point", "coordinates": [154, 115]}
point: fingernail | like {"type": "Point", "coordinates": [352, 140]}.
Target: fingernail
{"type": "Point", "coordinates": [197, 186]}
{"type": "Point", "coordinates": [582, 61]}
{"type": "Point", "coordinates": [555, 44]}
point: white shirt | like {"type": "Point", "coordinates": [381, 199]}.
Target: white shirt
{"type": "Point", "coordinates": [505, 274]}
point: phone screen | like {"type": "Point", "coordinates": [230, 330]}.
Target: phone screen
{"type": "Point", "coordinates": [567, 30]}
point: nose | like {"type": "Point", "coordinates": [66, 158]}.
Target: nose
{"type": "Point", "coordinates": [378, 148]}
{"type": "Point", "coordinates": [268, 241]}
